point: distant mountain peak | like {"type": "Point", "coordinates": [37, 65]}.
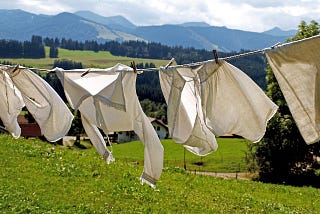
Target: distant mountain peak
{"type": "Point", "coordinates": [195, 24]}
{"type": "Point", "coordinates": [276, 31]}
{"type": "Point", "coordinates": [116, 22]}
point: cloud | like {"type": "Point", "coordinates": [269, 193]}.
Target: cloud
{"type": "Point", "coordinates": [239, 14]}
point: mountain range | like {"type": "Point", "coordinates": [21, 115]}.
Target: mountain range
{"type": "Point", "coordinates": [85, 25]}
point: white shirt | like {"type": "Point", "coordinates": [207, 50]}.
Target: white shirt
{"type": "Point", "coordinates": [107, 100]}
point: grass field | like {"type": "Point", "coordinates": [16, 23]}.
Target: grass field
{"type": "Point", "coordinates": [101, 59]}
{"type": "Point", "coordinates": [228, 158]}
{"type": "Point", "coordinates": [38, 177]}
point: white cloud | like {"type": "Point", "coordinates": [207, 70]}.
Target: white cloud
{"type": "Point", "coordinates": [239, 14]}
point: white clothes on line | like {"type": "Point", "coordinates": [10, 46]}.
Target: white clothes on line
{"type": "Point", "coordinates": [107, 100]}
{"type": "Point", "coordinates": [296, 67]}
{"type": "Point", "coordinates": [11, 104]}
{"type": "Point", "coordinates": [213, 99]}
{"type": "Point", "coordinates": [181, 90]}
{"type": "Point", "coordinates": [232, 102]}
{"type": "Point", "coordinates": [48, 109]}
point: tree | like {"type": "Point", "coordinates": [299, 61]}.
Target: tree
{"type": "Point", "coordinates": [283, 156]}
{"type": "Point", "coordinates": [53, 52]}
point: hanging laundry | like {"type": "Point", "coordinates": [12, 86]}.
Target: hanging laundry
{"type": "Point", "coordinates": [296, 67]}
{"type": "Point", "coordinates": [181, 90]}
{"type": "Point", "coordinates": [232, 103]}
{"type": "Point", "coordinates": [45, 105]}
{"type": "Point", "coordinates": [107, 100]}
{"type": "Point", "coordinates": [11, 104]}
{"type": "Point", "coordinates": [213, 99]}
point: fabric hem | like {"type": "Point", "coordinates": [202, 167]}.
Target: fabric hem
{"type": "Point", "coordinates": [108, 157]}
{"type": "Point", "coordinates": [145, 178]}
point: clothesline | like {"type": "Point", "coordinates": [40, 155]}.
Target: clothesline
{"type": "Point", "coordinates": [140, 70]}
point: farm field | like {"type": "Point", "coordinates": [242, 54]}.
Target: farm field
{"type": "Point", "coordinates": [39, 177]}
{"type": "Point", "coordinates": [101, 59]}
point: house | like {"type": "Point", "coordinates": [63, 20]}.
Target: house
{"type": "Point", "coordinates": [160, 127]}
{"type": "Point", "coordinates": [28, 129]}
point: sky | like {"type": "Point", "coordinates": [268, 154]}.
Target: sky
{"type": "Point", "coordinates": [250, 15]}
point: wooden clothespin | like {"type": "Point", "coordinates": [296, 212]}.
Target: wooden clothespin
{"type": "Point", "coordinates": [215, 55]}
{"type": "Point", "coordinates": [15, 68]}
{"type": "Point", "coordinates": [169, 63]}
{"type": "Point", "coordinates": [133, 66]}
{"type": "Point", "coordinates": [85, 73]}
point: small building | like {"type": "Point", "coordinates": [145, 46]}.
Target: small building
{"type": "Point", "coordinates": [159, 126]}
{"type": "Point", "coordinates": [28, 129]}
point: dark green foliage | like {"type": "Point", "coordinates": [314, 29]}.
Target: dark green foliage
{"type": "Point", "coordinates": [67, 64]}
{"type": "Point", "coordinates": [283, 156]}
{"type": "Point", "coordinates": [27, 49]}
{"type": "Point", "coordinates": [76, 126]}
{"type": "Point", "coordinates": [155, 109]}
{"type": "Point", "coordinates": [53, 52]}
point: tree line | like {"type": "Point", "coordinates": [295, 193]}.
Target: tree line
{"type": "Point", "coordinates": [253, 65]}
{"type": "Point", "coordinates": [27, 49]}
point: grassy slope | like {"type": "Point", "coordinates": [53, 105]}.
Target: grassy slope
{"type": "Point", "coordinates": [101, 59]}
{"type": "Point", "coordinates": [38, 177]}
{"type": "Point", "coordinates": [228, 158]}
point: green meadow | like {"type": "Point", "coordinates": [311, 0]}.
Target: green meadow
{"type": "Point", "coordinates": [101, 59]}
{"type": "Point", "coordinates": [228, 158]}
{"type": "Point", "coordinates": [39, 177]}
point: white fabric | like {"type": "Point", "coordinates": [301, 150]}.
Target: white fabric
{"type": "Point", "coordinates": [232, 102]}
{"type": "Point", "coordinates": [11, 104]}
{"type": "Point", "coordinates": [213, 99]}
{"type": "Point", "coordinates": [296, 67]}
{"type": "Point", "coordinates": [180, 87]}
{"type": "Point", "coordinates": [45, 105]}
{"type": "Point", "coordinates": [107, 100]}
{"type": "Point", "coordinates": [96, 139]}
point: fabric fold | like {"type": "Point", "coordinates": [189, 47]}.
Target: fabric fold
{"type": "Point", "coordinates": [11, 104]}
{"type": "Point", "coordinates": [296, 67]}
{"type": "Point", "coordinates": [48, 109]}
{"type": "Point", "coordinates": [180, 87]}
{"type": "Point", "coordinates": [232, 102]}
{"type": "Point", "coordinates": [107, 100]}
{"type": "Point", "coordinates": [20, 87]}
{"type": "Point", "coordinates": [211, 100]}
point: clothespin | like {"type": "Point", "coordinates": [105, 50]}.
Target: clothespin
{"type": "Point", "coordinates": [169, 63]}
{"type": "Point", "coordinates": [85, 73]}
{"type": "Point", "coordinates": [15, 68]}
{"type": "Point", "coordinates": [133, 66]}
{"type": "Point", "coordinates": [215, 54]}
{"type": "Point", "coordinates": [275, 45]}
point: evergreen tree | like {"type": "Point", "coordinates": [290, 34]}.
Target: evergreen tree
{"type": "Point", "coordinates": [53, 52]}
{"type": "Point", "coordinates": [283, 156]}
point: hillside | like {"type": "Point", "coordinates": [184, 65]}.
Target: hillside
{"type": "Point", "coordinates": [85, 25]}
{"type": "Point", "coordinates": [38, 177]}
